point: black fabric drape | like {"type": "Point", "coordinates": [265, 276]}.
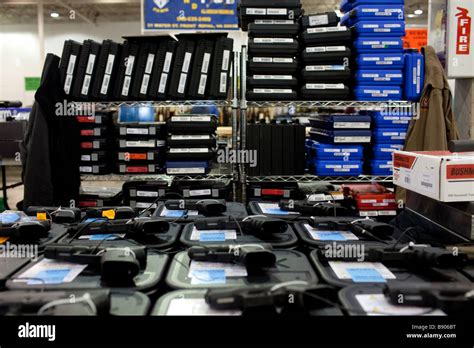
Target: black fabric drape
{"type": "Point", "coordinates": [50, 149]}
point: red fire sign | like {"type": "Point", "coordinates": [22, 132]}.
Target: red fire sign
{"type": "Point", "coordinates": [463, 41]}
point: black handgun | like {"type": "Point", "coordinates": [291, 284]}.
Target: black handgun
{"type": "Point", "coordinates": [254, 256]}
{"type": "Point", "coordinates": [26, 230]}
{"type": "Point", "coordinates": [143, 225]}
{"type": "Point", "coordinates": [114, 264]}
{"type": "Point", "coordinates": [259, 226]}
{"type": "Point", "coordinates": [419, 257]}
{"type": "Point", "coordinates": [314, 209]}
{"type": "Point", "coordinates": [451, 298]}
{"type": "Point", "coordinates": [360, 227]}
{"type": "Point", "coordinates": [26, 302]}
{"type": "Point", "coordinates": [275, 296]}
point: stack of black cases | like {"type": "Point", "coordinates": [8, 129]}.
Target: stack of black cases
{"type": "Point", "coordinates": [142, 148]}
{"type": "Point", "coordinates": [148, 68]}
{"type": "Point", "coordinates": [273, 51]}
{"type": "Point", "coordinates": [191, 144]}
{"type": "Point", "coordinates": [202, 67]}
{"type": "Point", "coordinates": [326, 55]}
{"type": "Point", "coordinates": [96, 143]}
{"type": "Point", "coordinates": [279, 148]}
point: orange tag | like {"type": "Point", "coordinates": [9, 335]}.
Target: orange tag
{"type": "Point", "coordinates": [41, 216]}
{"type": "Point", "coordinates": [109, 214]}
{"type": "Point", "coordinates": [3, 239]}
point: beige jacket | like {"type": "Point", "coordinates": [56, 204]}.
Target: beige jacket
{"type": "Point", "coordinates": [436, 125]}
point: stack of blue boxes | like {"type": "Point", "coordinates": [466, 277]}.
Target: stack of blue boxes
{"type": "Point", "coordinates": [389, 134]}
{"type": "Point", "coordinates": [379, 27]}
{"type": "Point", "coordinates": [336, 144]}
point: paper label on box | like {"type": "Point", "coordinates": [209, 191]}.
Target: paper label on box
{"type": "Point", "coordinates": [102, 237]}
{"type": "Point", "coordinates": [326, 30]}
{"type": "Point", "coordinates": [282, 60]}
{"type": "Point", "coordinates": [145, 82]}
{"type": "Point", "coordinates": [226, 60]}
{"type": "Point", "coordinates": [105, 85]}
{"type": "Point", "coordinates": [277, 11]}
{"type": "Point", "coordinates": [318, 20]}
{"type": "Point", "coordinates": [147, 194]}
{"type": "Point", "coordinates": [272, 77]}
{"type": "Point", "coordinates": [325, 86]}
{"type": "Point", "coordinates": [189, 150]}
{"type": "Point", "coordinates": [136, 131]}
{"type": "Point", "coordinates": [67, 84]}
{"type": "Point", "coordinates": [330, 235]}
{"type": "Point", "coordinates": [352, 125]}
{"type": "Point", "coordinates": [149, 63]}
{"type": "Point", "coordinates": [231, 270]}
{"type": "Point", "coordinates": [378, 304]}
{"type": "Point", "coordinates": [49, 271]}
{"type": "Point", "coordinates": [196, 306]}
{"type": "Point", "coordinates": [187, 62]}
{"type": "Point", "coordinates": [193, 170]}
{"type": "Point", "coordinates": [352, 139]}
{"type": "Point", "coordinates": [256, 11]}
{"type": "Point", "coordinates": [272, 91]}
{"type": "Point", "coordinates": [129, 65]}
{"type": "Point", "coordinates": [274, 209]}
{"type": "Point", "coordinates": [325, 68]}
{"type": "Point", "coordinates": [223, 83]}
{"type": "Point", "coordinates": [199, 193]}
{"type": "Point", "coordinates": [269, 40]}
{"type": "Point", "coordinates": [341, 268]}
{"type": "Point", "coordinates": [190, 137]}
{"type": "Point", "coordinates": [262, 60]}
{"type": "Point", "coordinates": [205, 63]}
{"type": "Point", "coordinates": [167, 64]}
{"type": "Point", "coordinates": [90, 64]}
{"type": "Point", "coordinates": [110, 64]}
{"type": "Point", "coordinates": [163, 81]}
{"type": "Point", "coordinates": [86, 169]}
{"type": "Point", "coordinates": [177, 213]}
{"type": "Point", "coordinates": [71, 65]}
{"type": "Point", "coordinates": [227, 234]}
{"type": "Point", "coordinates": [86, 84]}
{"type": "Point", "coordinates": [274, 21]}
{"type": "Point", "coordinates": [145, 205]}
{"type": "Point", "coordinates": [126, 85]}
{"type": "Point", "coordinates": [202, 84]}
{"type": "Point", "coordinates": [182, 83]}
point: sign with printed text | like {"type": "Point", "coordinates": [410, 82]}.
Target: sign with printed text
{"type": "Point", "coordinates": [202, 15]}
{"type": "Point", "coordinates": [415, 38]}
{"type": "Point", "coordinates": [460, 53]}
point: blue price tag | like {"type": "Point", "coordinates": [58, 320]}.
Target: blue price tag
{"type": "Point", "coordinates": [329, 236]}
{"type": "Point", "coordinates": [50, 276]}
{"type": "Point", "coordinates": [209, 276]}
{"type": "Point", "coordinates": [9, 218]}
{"type": "Point", "coordinates": [101, 237]}
{"type": "Point", "coordinates": [175, 213]}
{"type": "Point", "coordinates": [276, 211]}
{"type": "Point", "coordinates": [365, 275]}
{"type": "Point", "coordinates": [212, 237]}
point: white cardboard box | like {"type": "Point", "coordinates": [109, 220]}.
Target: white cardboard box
{"type": "Point", "coordinates": [444, 176]}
